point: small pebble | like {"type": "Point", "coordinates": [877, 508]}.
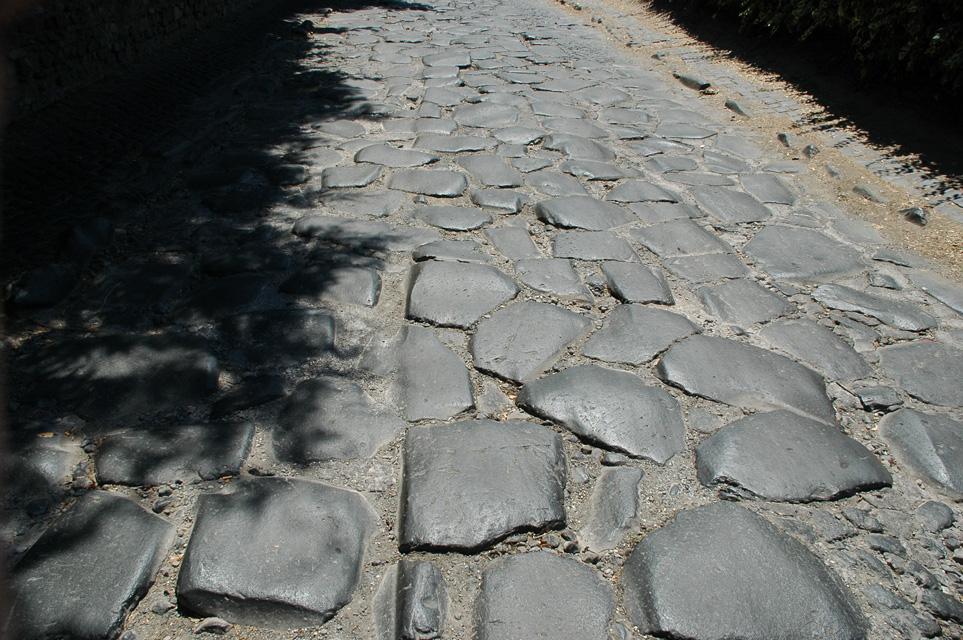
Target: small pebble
{"type": "Point", "coordinates": [591, 557]}
{"type": "Point", "coordinates": [570, 547]}
{"type": "Point", "coordinates": [863, 520]}
{"type": "Point", "coordinates": [213, 625]}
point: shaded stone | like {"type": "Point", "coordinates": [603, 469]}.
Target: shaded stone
{"type": "Point", "coordinates": [522, 340]}
{"type": "Point", "coordinates": [161, 455]}
{"type": "Point", "coordinates": [457, 250]}
{"type": "Point", "coordinates": [768, 188]}
{"type": "Point", "coordinates": [613, 508]}
{"type": "Point", "coordinates": [453, 218]}
{"type": "Point", "coordinates": [233, 260]}
{"type": "Point", "coordinates": [640, 191]}
{"type": "Point", "coordinates": [943, 289]}
{"type": "Point", "coordinates": [731, 206]}
{"type": "Point", "coordinates": [278, 337]}
{"type": "Point", "coordinates": [783, 456]}
{"type": "Point", "coordinates": [427, 379]}
{"type": "Point", "coordinates": [329, 418]}
{"type": "Point", "coordinates": [370, 235]}
{"type": "Point", "coordinates": [707, 268]}
{"type": "Point", "coordinates": [213, 299]}
{"type": "Point", "coordinates": [453, 294]}
{"type": "Point", "coordinates": [554, 276]}
{"type": "Point", "coordinates": [818, 347]}
{"type": "Point", "coordinates": [138, 285]}
{"type": "Point", "coordinates": [518, 135]}
{"type": "Point", "coordinates": [613, 409]}
{"type": "Point", "coordinates": [389, 156]}
{"type": "Point", "coordinates": [491, 171]}
{"type": "Point", "coordinates": [790, 253]}
{"type": "Point", "coordinates": [286, 175]}
{"type": "Point", "coordinates": [582, 212]}
{"type": "Point", "coordinates": [577, 147]}
{"type": "Point", "coordinates": [46, 286]}
{"type": "Point", "coordinates": [679, 238]}
{"type": "Point", "coordinates": [631, 282]}
{"type": "Point", "coordinates": [575, 126]}
{"type": "Point", "coordinates": [485, 114]}
{"type": "Point", "coordinates": [530, 596]}
{"type": "Point", "coordinates": [896, 313]}
{"type": "Point", "coordinates": [634, 334]}
{"type": "Point", "coordinates": [276, 553]}
{"type": "Point", "coordinates": [931, 445]}
{"type": "Point", "coordinates": [341, 128]}
{"type": "Point", "coordinates": [755, 378]}
{"type": "Point", "coordinates": [451, 500]}
{"type": "Point", "coordinates": [88, 570]}
{"type": "Point", "coordinates": [514, 243]}
{"type": "Point", "coordinates": [336, 282]}
{"type": "Point", "coordinates": [443, 184]}
{"type": "Point", "coordinates": [755, 582]}
{"type": "Point", "coordinates": [352, 176]}
{"type": "Point", "coordinates": [411, 603]}
{"type": "Point", "coordinates": [592, 245]}
{"type": "Point", "coordinates": [743, 302]}
{"type": "Point", "coordinates": [594, 170]}
{"type": "Point", "coordinates": [553, 183]}
{"type": "Point", "coordinates": [501, 200]}
{"type": "Point", "coordinates": [252, 392]}
{"type": "Point", "coordinates": [375, 204]}
{"type": "Point", "coordinates": [454, 144]}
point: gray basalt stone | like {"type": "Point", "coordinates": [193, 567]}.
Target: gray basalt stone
{"type": "Point", "coordinates": [453, 218]}
{"type": "Point", "coordinates": [640, 191]}
{"type": "Point", "coordinates": [219, 297]}
{"type": "Point", "coordinates": [490, 171]}
{"type": "Point", "coordinates": [578, 147]}
{"type": "Point", "coordinates": [565, 85]}
{"type": "Point", "coordinates": [553, 183]}
{"type": "Point", "coordinates": [805, 255]}
{"type": "Point", "coordinates": [602, 96]}
{"type": "Point", "coordinates": [503, 201]}
{"type": "Point", "coordinates": [575, 126]}
{"type": "Point", "coordinates": [336, 282]}
{"type": "Point", "coordinates": [452, 294]}
{"type": "Point", "coordinates": [613, 508]}
{"type": "Point", "coordinates": [427, 379]}
{"type": "Point", "coordinates": [755, 582]}
{"type": "Point", "coordinates": [743, 302]}
{"type": "Point", "coordinates": [731, 206]}
{"type": "Point", "coordinates": [485, 114]}
{"type": "Point", "coordinates": [753, 378]}
{"type": "Point", "coordinates": [679, 238]}
{"type": "Point", "coordinates": [592, 245]}
{"type": "Point", "coordinates": [818, 347]}
{"type": "Point", "coordinates": [451, 500]}
{"type": "Point", "coordinates": [161, 455]}
{"type": "Point", "coordinates": [929, 371]}
{"type": "Point", "coordinates": [276, 553]}
{"type": "Point", "coordinates": [896, 313]}
{"type": "Point", "coordinates": [411, 603]}
{"type": "Point", "coordinates": [700, 179]}
{"type": "Point", "coordinates": [931, 445]}
{"type": "Point", "coordinates": [783, 456]}
{"type": "Point", "coordinates": [530, 596]}
{"type": "Point", "coordinates": [135, 285]}
{"type": "Point", "coordinates": [329, 418]}
{"type": "Point", "coordinates": [707, 268]}
{"type": "Point", "coordinates": [683, 131]}
{"type": "Point", "coordinates": [594, 170]}
{"type": "Point", "coordinates": [429, 182]}
{"type": "Point", "coordinates": [514, 243]}
{"type": "Point", "coordinates": [232, 260]}
{"type": "Point", "coordinates": [613, 409]}
{"type": "Point", "coordinates": [374, 204]}
{"type": "Point", "coordinates": [342, 128]}
{"type": "Point", "coordinates": [518, 135]}
{"type": "Point", "coordinates": [630, 282]}
{"type": "Point", "coordinates": [582, 212]}
{"type": "Point", "coordinates": [943, 289]}
{"type": "Point", "coordinates": [634, 334]}
{"type": "Point", "coordinates": [454, 144]}
{"type": "Point", "coordinates": [656, 212]}
{"type": "Point", "coordinates": [366, 235]}
{"type": "Point", "coordinates": [451, 250]}
{"type": "Point", "coordinates": [389, 156]}
{"type": "Point", "coordinates": [88, 570]}
{"type": "Point", "coordinates": [556, 110]}
{"type": "Point", "coordinates": [278, 336]}
{"type": "Point", "coordinates": [451, 58]}
{"type": "Point", "coordinates": [521, 341]}
{"type": "Point", "coordinates": [768, 188]}
{"type": "Point", "coordinates": [251, 392]}
{"type": "Point", "coordinates": [555, 276]}
{"type": "Point", "coordinates": [353, 176]}
{"type": "Point", "coordinates": [671, 163]}
{"type": "Point", "coordinates": [634, 117]}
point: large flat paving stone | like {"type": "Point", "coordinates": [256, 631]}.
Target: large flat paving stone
{"type": "Point", "coordinates": [943, 289]}
{"type": "Point", "coordinates": [613, 508]}
{"type": "Point", "coordinates": [365, 235]}
{"type": "Point", "coordinates": [592, 245]}
{"type": "Point", "coordinates": [679, 238]}
{"type": "Point", "coordinates": [635, 334]}
{"type": "Point", "coordinates": [451, 250]}
{"type": "Point", "coordinates": [554, 276]}
{"type": "Point", "coordinates": [336, 282]}
{"type": "Point", "coordinates": [523, 340]}
{"type": "Point", "coordinates": [515, 243]}
{"type": "Point", "coordinates": [783, 456]}
{"type": "Point", "coordinates": [219, 297]}
{"type": "Point", "coordinates": [729, 205]}
{"type": "Point", "coordinates": [454, 294]}
{"type": "Point", "coordinates": [485, 114]}
{"type": "Point", "coordinates": [573, 146]}
{"type": "Point", "coordinates": [360, 175]}
{"type": "Point", "coordinates": [389, 156]}
{"type": "Point", "coordinates": [931, 445]}
{"type": "Point", "coordinates": [582, 212]}
{"type": "Point", "coordinates": [803, 255]}
{"type": "Point", "coordinates": [928, 371]}
{"type": "Point", "coordinates": [707, 268]}
{"type": "Point", "coordinates": [107, 377]}
{"type": "Point", "coordinates": [470, 484]}
{"type": "Point", "coordinates": [640, 191]}
{"type": "Point", "coordinates": [374, 204]}
{"type": "Point", "coordinates": [163, 455]}
{"type": "Point", "coordinates": [454, 144]}
{"type": "Point", "coordinates": [631, 282]}
{"type": "Point", "coordinates": [817, 347]}
{"type": "Point", "coordinates": [768, 188]}
{"type": "Point", "coordinates": [743, 302]}
{"type": "Point", "coordinates": [330, 418]}
{"type": "Point", "coordinates": [453, 218]}
{"type": "Point", "coordinates": [411, 602]}
{"type": "Point", "coordinates": [429, 182]}
{"type": "Point", "coordinates": [555, 184]}
{"type": "Point", "coordinates": [278, 337]}
{"type": "Point", "coordinates": [276, 553]}
{"type": "Point", "coordinates": [896, 313]}
{"type": "Point", "coordinates": [754, 582]}
{"type": "Point", "coordinates": [531, 595]}
{"type": "Point", "coordinates": [491, 171]}
{"type": "Point", "coordinates": [742, 375]}
{"type": "Point", "coordinates": [613, 409]}
{"type": "Point", "coordinates": [88, 570]}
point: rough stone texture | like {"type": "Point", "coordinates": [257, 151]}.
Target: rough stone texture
{"type": "Point", "coordinates": [555, 276]}
{"type": "Point", "coordinates": [278, 337]}
{"type": "Point", "coordinates": [453, 218]}
{"type": "Point", "coordinates": [500, 200]}
{"type": "Point", "coordinates": [514, 243]}
{"type": "Point", "coordinates": [707, 268]}
{"type": "Point", "coordinates": [943, 289]}
{"type": "Point", "coordinates": [768, 188]}
{"type": "Point", "coordinates": [679, 238]}
{"type": "Point", "coordinates": [491, 171]}
{"type": "Point", "coordinates": [411, 603]}
{"type": "Point", "coordinates": [219, 297]}
{"type": "Point", "coordinates": [743, 302]}
{"type": "Point", "coordinates": [896, 313]}
{"type": "Point", "coordinates": [783, 456]}
{"type": "Point", "coordinates": [88, 570]}
{"type": "Point", "coordinates": [755, 582]}
{"type": "Point", "coordinates": [640, 191]}
{"type": "Point", "coordinates": [454, 144]}
{"type": "Point", "coordinates": [276, 553]}
{"type": "Point", "coordinates": [522, 340]}
{"type": "Point", "coordinates": [553, 183]}
{"type": "Point", "coordinates": [805, 255]}
{"type": "Point", "coordinates": [531, 596]}
{"type": "Point", "coordinates": [376, 204]}
{"type": "Point", "coordinates": [636, 283]}
{"type": "Point", "coordinates": [731, 206]}
{"type": "Point", "coordinates": [485, 114]}
{"type": "Point", "coordinates": [336, 282]}
{"type": "Point", "coordinates": [594, 170]}
{"type": "Point", "coordinates": [754, 378]}
{"type": "Point", "coordinates": [429, 182]}
{"type": "Point", "coordinates": [453, 294]}
{"type": "Point", "coordinates": [353, 176]}
{"type": "Point", "coordinates": [634, 334]}
{"type": "Point", "coordinates": [329, 418]}
{"type": "Point", "coordinates": [592, 245]}
{"type": "Point", "coordinates": [446, 250]}
{"type": "Point", "coordinates": [251, 392]}
{"type": "Point", "coordinates": [363, 234]}
{"type": "Point", "coordinates": [394, 157]}
{"type": "Point", "coordinates": [613, 508]}
{"type": "Point", "coordinates": [582, 212]}
{"type": "Point", "coordinates": [931, 445]}
{"type": "Point", "coordinates": [578, 147]}
{"type": "Point", "coordinates": [452, 500]}
{"type": "Point", "coordinates": [818, 347]}
{"type": "Point", "coordinates": [614, 409]}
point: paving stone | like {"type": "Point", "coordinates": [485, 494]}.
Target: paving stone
{"type": "Point", "coordinates": [365, 235]}
{"type": "Point", "coordinates": [553, 276]}
{"type": "Point", "coordinates": [452, 57]}
{"type": "Point", "coordinates": [88, 570]}
{"type": "Point", "coordinates": [565, 85]}
{"type": "Point", "coordinates": [785, 457]}
{"type": "Point", "coordinates": [683, 131]}
{"type": "Point", "coordinates": [935, 516]}
{"type": "Point", "coordinates": [803, 255]}
{"type": "Point", "coordinates": [578, 147]}
{"type": "Point", "coordinates": [613, 508]}
{"type": "Point", "coordinates": [592, 245]}
{"type": "Point", "coordinates": [276, 553]}
{"type": "Point", "coordinates": [454, 294]}
{"type": "Point", "coordinates": [671, 163]}
{"type": "Point", "coordinates": [485, 114]}
{"type": "Point", "coordinates": [412, 602]}
{"type": "Point", "coordinates": [514, 243]}
{"type": "Point", "coordinates": [433, 124]}
{"type": "Point", "coordinates": [758, 379]}
{"type": "Point", "coordinates": [679, 238]}
{"type": "Point", "coordinates": [731, 206]}
{"type": "Point", "coordinates": [528, 596]}
{"type": "Point", "coordinates": [943, 289]}
{"type": "Point", "coordinates": [722, 163]}
{"type": "Point", "coordinates": [768, 188]}
{"type": "Point", "coordinates": [454, 144]}
{"type": "Point", "coordinates": [251, 392]}
{"type": "Point", "coordinates": [613, 409]}
{"type": "Point", "coordinates": [862, 519]}
{"type": "Point", "coordinates": [138, 285]}
{"type": "Point", "coordinates": [896, 313]}
{"type": "Point", "coordinates": [389, 156]}
{"type": "Point", "coordinates": [656, 212]}
{"type": "Point", "coordinates": [575, 126]}
{"type": "Point", "coordinates": [737, 146]}
{"type": "Point", "coordinates": [429, 182]}
{"type": "Point", "coordinates": [877, 398]}
{"type": "Point", "coordinates": [375, 204]}
{"type": "Point", "coordinates": [490, 171]}
{"type": "Point", "coordinates": [457, 250]}
{"type": "Point", "coordinates": [817, 347]}
{"type": "Point", "coordinates": [352, 176]}
{"type": "Point", "coordinates": [858, 231]}
{"type": "Point", "coordinates": [640, 191]}
{"type": "Point", "coordinates": [743, 302]}
{"type": "Point", "coordinates": [900, 258]}
{"type": "Point", "coordinates": [329, 418]}
{"type": "Point", "coordinates": [582, 212]}
{"type": "Point", "coordinates": [631, 282]}
{"type": "Point", "coordinates": [247, 259]}
{"type": "Point", "coordinates": [928, 371]}
{"type": "Point", "coordinates": [163, 455]}
{"type": "Point", "coordinates": [556, 110]}
{"type": "Point", "coordinates": [441, 72]}
{"type": "Point", "coordinates": [930, 445]}
{"type": "Point", "coordinates": [518, 135]}
{"type": "Point", "coordinates": [341, 128]}
{"type": "Point", "coordinates": [634, 334]}
{"type": "Point", "coordinates": [700, 179]}
{"type": "Point", "coordinates": [602, 96]}
{"type": "Point", "coordinates": [755, 582]}
{"type": "Point", "coordinates": [35, 465]}
{"type": "Point", "coordinates": [453, 501]}
{"type": "Point", "coordinates": [501, 200]}
{"type": "Point", "coordinates": [428, 381]}
{"type": "Point", "coordinates": [553, 183]}
{"type": "Point", "coordinates": [453, 218]}
{"type": "Point", "coordinates": [46, 286]}
{"type": "Point", "coordinates": [219, 297]}
{"type": "Point", "coordinates": [109, 377]}
{"type": "Point", "coordinates": [635, 117]}
{"type": "Point", "coordinates": [278, 337]}
{"type": "Point", "coordinates": [523, 340]}
{"type": "Point", "coordinates": [707, 268]}
{"type": "Point", "coordinates": [520, 77]}
{"type": "Point", "coordinates": [336, 282]}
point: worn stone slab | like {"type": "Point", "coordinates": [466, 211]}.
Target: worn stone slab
{"type": "Point", "coordinates": [454, 144]}
{"type": "Point", "coordinates": [135, 285]}
{"type": "Point", "coordinates": [613, 508]}
{"type": "Point", "coordinates": [679, 238]}
{"type": "Point", "coordinates": [389, 156]}
{"type": "Point", "coordinates": [276, 553]}
{"type": "Point", "coordinates": [491, 171]}
{"type": "Point", "coordinates": [640, 191]}
{"type": "Point", "coordinates": [706, 268]}
{"type": "Point", "coordinates": [683, 131]}
{"type": "Point", "coordinates": [278, 337]}
{"type": "Point", "coordinates": [454, 57]}
{"type": "Point", "coordinates": [755, 582]}
{"type": "Point", "coordinates": [602, 96]}
{"type": "Point", "coordinates": [329, 418]}
{"type": "Point", "coordinates": [341, 128]}
{"type": "Point", "coordinates": [88, 570]}
{"type": "Point", "coordinates": [817, 347]}
{"type": "Point", "coordinates": [943, 289]}
{"type": "Point", "coordinates": [213, 299]}
{"type": "Point", "coordinates": [336, 282]}
{"type": "Point", "coordinates": [737, 146]}
{"type": "Point", "coordinates": [427, 379]}
{"type": "Point", "coordinates": [556, 110]}
{"type": "Point", "coordinates": [411, 603]}
{"type": "Point", "coordinates": [785, 457]}
{"type": "Point", "coordinates": [573, 146]}
{"type": "Point", "coordinates": [110, 377]}
{"type": "Point", "coordinates": [723, 163]}
{"type": "Point", "coordinates": [429, 182]}
{"type": "Point", "coordinates": [503, 201]}
{"type": "Point", "coordinates": [453, 294]}
{"type": "Point", "coordinates": [565, 85]}
{"type": "Point", "coordinates": [594, 170]}
{"type": "Point", "coordinates": [554, 276]}
{"type": "Point", "coordinates": [582, 212]}
{"type": "Point", "coordinates": [743, 302]}
{"type": "Point", "coordinates": [630, 282]}
{"type": "Point", "coordinates": [530, 596]}
{"type": "Point", "coordinates": [352, 176]}
{"type": "Point", "coordinates": [634, 117]}
{"type": "Point", "coordinates": [453, 501]}
{"type": "Point", "coordinates": [485, 114]}
{"type": "Point", "coordinates": [592, 245]}
{"type": "Point", "coordinates": [755, 378]}
{"type": "Point", "coordinates": [896, 313]}
{"type": "Point", "coordinates": [692, 178]}
{"type": "Point", "coordinates": [575, 126]}
{"type": "Point", "coordinates": [931, 445]}
{"type": "Point", "coordinates": [518, 135]}
{"type": "Point", "coordinates": [613, 409]}
{"type": "Point", "coordinates": [928, 371]}
{"type": "Point", "coordinates": [671, 163]}
{"type": "Point", "coordinates": [768, 188]}
{"type": "Point", "coordinates": [250, 392]}
{"type": "Point", "coordinates": [453, 218]}
{"type": "Point", "coordinates": [457, 250]}
{"type": "Point", "coordinates": [731, 206]}
{"type": "Point", "coordinates": [525, 339]}
{"type": "Point", "coordinates": [233, 260]}
{"type": "Point", "coordinates": [375, 204]}
{"type": "Point", "coordinates": [553, 183]}
{"type": "Point", "coordinates": [514, 243]}
{"type": "Point", "coordinates": [656, 212]}
{"type": "Point", "coordinates": [367, 235]}
{"type": "Point", "coordinates": [634, 334]}
{"type": "Point", "coordinates": [804, 255]}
